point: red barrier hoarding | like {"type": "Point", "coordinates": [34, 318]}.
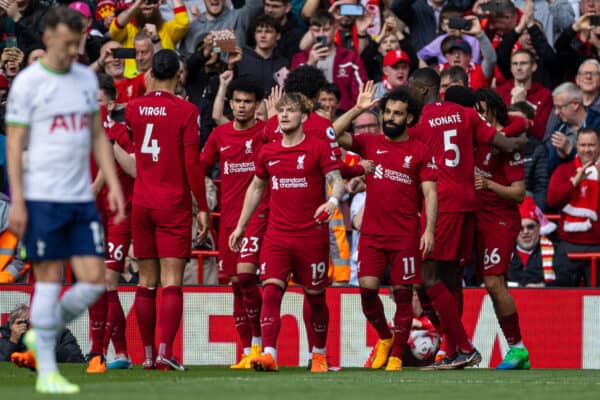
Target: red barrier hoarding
{"type": "Point", "coordinates": [561, 327]}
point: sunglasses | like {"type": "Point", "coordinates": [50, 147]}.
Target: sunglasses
{"type": "Point", "coordinates": [528, 227]}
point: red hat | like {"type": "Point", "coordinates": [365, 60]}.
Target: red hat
{"type": "Point", "coordinates": [105, 9]}
{"type": "Point", "coordinates": [81, 8]}
{"type": "Point", "coordinates": [393, 57]}
{"type": "Point", "coordinates": [527, 209]}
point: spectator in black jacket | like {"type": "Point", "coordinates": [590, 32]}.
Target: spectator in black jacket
{"type": "Point", "coordinates": [536, 158]}
{"type": "Point", "coordinates": [11, 335]}
{"type": "Point", "coordinates": [291, 33]}
{"type": "Point", "coordinates": [422, 17]}
{"type": "Point", "coordinates": [579, 41]}
{"type": "Point", "coordinates": [263, 63]}
{"type": "Point", "coordinates": [537, 262]}
{"type": "Point", "coordinates": [28, 16]}
{"type": "Point", "coordinates": [530, 35]}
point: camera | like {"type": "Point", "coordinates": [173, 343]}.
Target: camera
{"type": "Point", "coordinates": [123, 52]}
{"type": "Point", "coordinates": [595, 20]}
{"type": "Point", "coordinates": [321, 40]}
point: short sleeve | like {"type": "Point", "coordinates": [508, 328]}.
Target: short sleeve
{"type": "Point", "coordinates": [358, 144]}
{"type": "Point", "coordinates": [484, 131]}
{"type": "Point", "coordinates": [191, 129]}
{"type": "Point", "coordinates": [19, 107]}
{"type": "Point", "coordinates": [327, 158]}
{"type": "Point", "coordinates": [260, 165]}
{"type": "Point", "coordinates": [93, 93]}
{"type": "Point", "coordinates": [428, 170]}
{"type": "Point", "coordinates": [210, 153]}
{"type": "Point", "coordinates": [514, 166]}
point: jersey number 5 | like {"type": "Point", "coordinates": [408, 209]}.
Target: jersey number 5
{"type": "Point", "coordinates": [150, 146]}
{"type": "Point", "coordinates": [449, 146]}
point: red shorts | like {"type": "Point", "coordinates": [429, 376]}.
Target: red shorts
{"type": "Point", "coordinates": [227, 263]}
{"type": "Point", "coordinates": [161, 233]}
{"type": "Point", "coordinates": [402, 254]}
{"type": "Point", "coordinates": [306, 256]}
{"type": "Point", "coordinates": [252, 241]}
{"type": "Point", "coordinates": [118, 239]}
{"type": "Point", "coordinates": [454, 238]}
{"type": "Point", "coordinates": [495, 245]}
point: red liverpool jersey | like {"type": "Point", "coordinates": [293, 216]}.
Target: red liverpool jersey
{"type": "Point", "coordinates": [237, 151]}
{"type": "Point", "coordinates": [296, 176]}
{"type": "Point", "coordinates": [161, 125]}
{"type": "Point", "coordinates": [450, 132]}
{"type": "Point", "coordinates": [394, 197]}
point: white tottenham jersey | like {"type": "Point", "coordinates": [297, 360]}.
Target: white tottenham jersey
{"type": "Point", "coordinates": [57, 110]}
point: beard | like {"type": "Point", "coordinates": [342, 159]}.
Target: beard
{"type": "Point", "coordinates": [392, 130]}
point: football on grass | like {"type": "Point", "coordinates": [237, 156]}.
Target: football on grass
{"type": "Point", "coordinates": [423, 344]}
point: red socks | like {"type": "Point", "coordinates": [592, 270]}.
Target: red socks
{"type": "Point", "coordinates": [402, 320]}
{"type": "Point", "coordinates": [252, 301]}
{"type": "Point", "coordinates": [145, 312]}
{"type": "Point", "coordinates": [239, 316]}
{"type": "Point", "coordinates": [307, 323]}
{"type": "Point", "coordinates": [443, 302]}
{"type": "Point", "coordinates": [510, 327]}
{"type": "Point", "coordinates": [270, 318]}
{"type": "Point", "coordinates": [373, 310]}
{"type": "Point", "coordinates": [319, 319]}
{"type": "Point", "coordinates": [98, 313]}
{"type": "Point", "coordinates": [171, 308]}
{"type": "Point", "coordinates": [115, 324]}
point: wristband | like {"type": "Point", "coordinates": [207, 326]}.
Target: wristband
{"type": "Point", "coordinates": [334, 201]}
{"type": "Point", "coordinates": [364, 36]}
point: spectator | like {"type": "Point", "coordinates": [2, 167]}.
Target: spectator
{"type": "Point", "coordinates": [458, 52]}
{"type": "Point", "coordinates": [423, 17]}
{"type": "Point", "coordinates": [143, 16]}
{"type": "Point", "coordinates": [575, 190]}
{"type": "Point", "coordinates": [553, 16]}
{"type": "Point", "coordinates": [432, 53]}
{"type": "Point", "coordinates": [35, 54]}
{"type": "Point", "coordinates": [145, 47]}
{"type": "Point", "coordinates": [396, 68]}
{"type": "Point", "coordinates": [329, 99]}
{"type": "Point", "coordinates": [127, 88]}
{"type": "Point", "coordinates": [11, 61]}
{"type": "Point", "coordinates": [217, 16]}
{"type": "Point", "coordinates": [291, 33]}
{"type": "Point", "coordinates": [522, 87]}
{"type": "Point", "coordinates": [11, 340]}
{"type": "Point", "coordinates": [340, 65]}
{"type": "Point", "coordinates": [263, 63]}
{"type": "Point", "coordinates": [535, 158]}
{"type": "Point", "coordinates": [537, 262]}
{"type": "Point", "coordinates": [390, 38]}
{"type": "Point", "coordinates": [529, 34]}
{"type": "Point", "coordinates": [89, 50]}
{"type": "Point", "coordinates": [28, 16]}
{"type": "Point", "coordinates": [366, 122]}
{"type": "Point", "coordinates": [454, 75]}
{"type": "Point", "coordinates": [568, 106]}
{"type": "Point", "coordinates": [588, 80]}
{"type": "Point", "coordinates": [580, 40]}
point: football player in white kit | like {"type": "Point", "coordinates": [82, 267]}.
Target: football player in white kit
{"type": "Point", "coordinates": [52, 119]}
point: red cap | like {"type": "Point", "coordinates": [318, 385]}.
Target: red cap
{"type": "Point", "coordinates": [105, 9]}
{"type": "Point", "coordinates": [527, 209]}
{"type": "Point", "coordinates": [393, 57]}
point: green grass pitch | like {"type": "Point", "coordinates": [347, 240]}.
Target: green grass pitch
{"type": "Point", "coordinates": [214, 383]}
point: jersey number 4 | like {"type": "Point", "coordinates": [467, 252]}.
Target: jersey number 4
{"type": "Point", "coordinates": [150, 146]}
{"type": "Point", "coordinates": [453, 147]}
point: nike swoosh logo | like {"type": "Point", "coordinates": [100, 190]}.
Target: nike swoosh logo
{"type": "Point", "coordinates": [245, 255]}
{"type": "Point", "coordinates": [486, 267]}
{"type": "Point", "coordinates": [317, 282]}
{"type": "Point", "coordinates": [225, 148]}
{"type": "Point", "coordinates": [407, 277]}
{"type": "Point", "coordinates": [271, 163]}
{"type": "Point", "coordinates": [381, 151]}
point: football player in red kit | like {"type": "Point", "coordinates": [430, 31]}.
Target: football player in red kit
{"type": "Point", "coordinates": [165, 133]}
{"type": "Point", "coordinates": [450, 131]}
{"type": "Point", "coordinates": [390, 232]}
{"type": "Point", "coordinates": [296, 168]}
{"type": "Point", "coordinates": [500, 187]}
{"type": "Point", "coordinates": [235, 145]}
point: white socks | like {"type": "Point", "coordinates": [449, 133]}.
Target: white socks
{"type": "Point", "coordinates": [272, 351]}
{"type": "Point", "coordinates": [46, 325]}
{"type": "Point", "coordinates": [78, 299]}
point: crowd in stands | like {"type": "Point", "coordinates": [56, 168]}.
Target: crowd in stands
{"type": "Point", "coordinates": [540, 56]}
